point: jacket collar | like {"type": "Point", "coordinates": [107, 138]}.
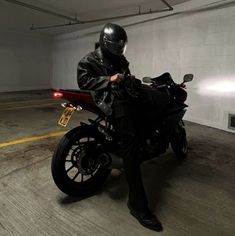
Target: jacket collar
{"type": "Point", "coordinates": [102, 59]}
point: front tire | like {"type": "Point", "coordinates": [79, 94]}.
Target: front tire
{"type": "Point", "coordinates": [179, 143]}
{"type": "Point", "coordinates": [75, 168]}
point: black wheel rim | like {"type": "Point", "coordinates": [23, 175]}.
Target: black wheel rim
{"type": "Point", "coordinates": [80, 165]}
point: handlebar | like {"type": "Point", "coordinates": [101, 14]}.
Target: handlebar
{"type": "Point", "coordinates": [182, 85]}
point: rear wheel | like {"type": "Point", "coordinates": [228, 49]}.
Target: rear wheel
{"type": "Point", "coordinates": [179, 142]}
{"type": "Point", "coordinates": [75, 168]}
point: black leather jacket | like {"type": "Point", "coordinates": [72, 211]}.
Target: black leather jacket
{"type": "Point", "coordinates": [94, 72]}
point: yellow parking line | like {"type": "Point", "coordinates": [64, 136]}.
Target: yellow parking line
{"type": "Point", "coordinates": [28, 106]}
{"type": "Point", "coordinates": [29, 101]}
{"type": "Point", "coordinates": [31, 139]}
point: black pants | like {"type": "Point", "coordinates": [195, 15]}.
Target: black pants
{"type": "Point", "coordinates": [131, 115]}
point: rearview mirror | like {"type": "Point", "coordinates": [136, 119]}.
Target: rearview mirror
{"type": "Point", "coordinates": [188, 78]}
{"type": "Point", "coordinates": [147, 80]}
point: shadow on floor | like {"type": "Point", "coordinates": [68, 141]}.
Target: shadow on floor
{"type": "Point", "coordinates": [156, 173]}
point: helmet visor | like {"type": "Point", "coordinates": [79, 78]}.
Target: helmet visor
{"type": "Point", "coordinates": [116, 48]}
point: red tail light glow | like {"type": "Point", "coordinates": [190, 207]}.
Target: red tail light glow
{"type": "Point", "coordinates": [57, 95]}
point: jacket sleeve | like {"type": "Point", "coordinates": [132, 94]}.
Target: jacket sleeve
{"type": "Point", "coordinates": [88, 78]}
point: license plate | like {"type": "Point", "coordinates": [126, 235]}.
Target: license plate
{"type": "Point", "coordinates": [65, 117]}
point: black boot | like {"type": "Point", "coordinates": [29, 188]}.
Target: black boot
{"type": "Point", "coordinates": [147, 219]}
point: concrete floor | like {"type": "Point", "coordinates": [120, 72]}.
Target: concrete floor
{"type": "Point", "coordinates": [193, 198]}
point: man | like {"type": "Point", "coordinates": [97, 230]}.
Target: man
{"type": "Point", "coordinates": [104, 71]}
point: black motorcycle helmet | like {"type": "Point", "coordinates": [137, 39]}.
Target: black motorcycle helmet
{"type": "Point", "coordinates": [113, 39]}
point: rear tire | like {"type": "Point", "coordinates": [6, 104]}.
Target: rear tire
{"type": "Point", "coordinates": [75, 169]}
{"type": "Point", "coordinates": [179, 143]}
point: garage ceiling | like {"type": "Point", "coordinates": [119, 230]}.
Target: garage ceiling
{"type": "Point", "coordinates": [18, 18]}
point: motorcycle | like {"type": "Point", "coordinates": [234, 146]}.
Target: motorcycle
{"type": "Point", "coordinates": [85, 156]}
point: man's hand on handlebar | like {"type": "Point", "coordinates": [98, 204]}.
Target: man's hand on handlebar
{"type": "Point", "coordinates": [117, 78]}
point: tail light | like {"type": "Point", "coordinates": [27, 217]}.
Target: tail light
{"type": "Point", "coordinates": [57, 95]}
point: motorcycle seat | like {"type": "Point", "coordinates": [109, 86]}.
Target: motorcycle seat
{"type": "Point", "coordinates": [84, 98]}
{"type": "Point", "coordinates": [79, 91]}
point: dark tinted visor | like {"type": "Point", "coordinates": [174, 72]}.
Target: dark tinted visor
{"type": "Point", "coordinates": [117, 48]}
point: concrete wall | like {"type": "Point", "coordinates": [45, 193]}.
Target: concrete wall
{"type": "Point", "coordinates": [25, 61]}
{"type": "Point", "coordinates": [193, 40]}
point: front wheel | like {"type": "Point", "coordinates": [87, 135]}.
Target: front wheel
{"type": "Point", "coordinates": [179, 142]}
{"type": "Point", "coordinates": [75, 168]}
